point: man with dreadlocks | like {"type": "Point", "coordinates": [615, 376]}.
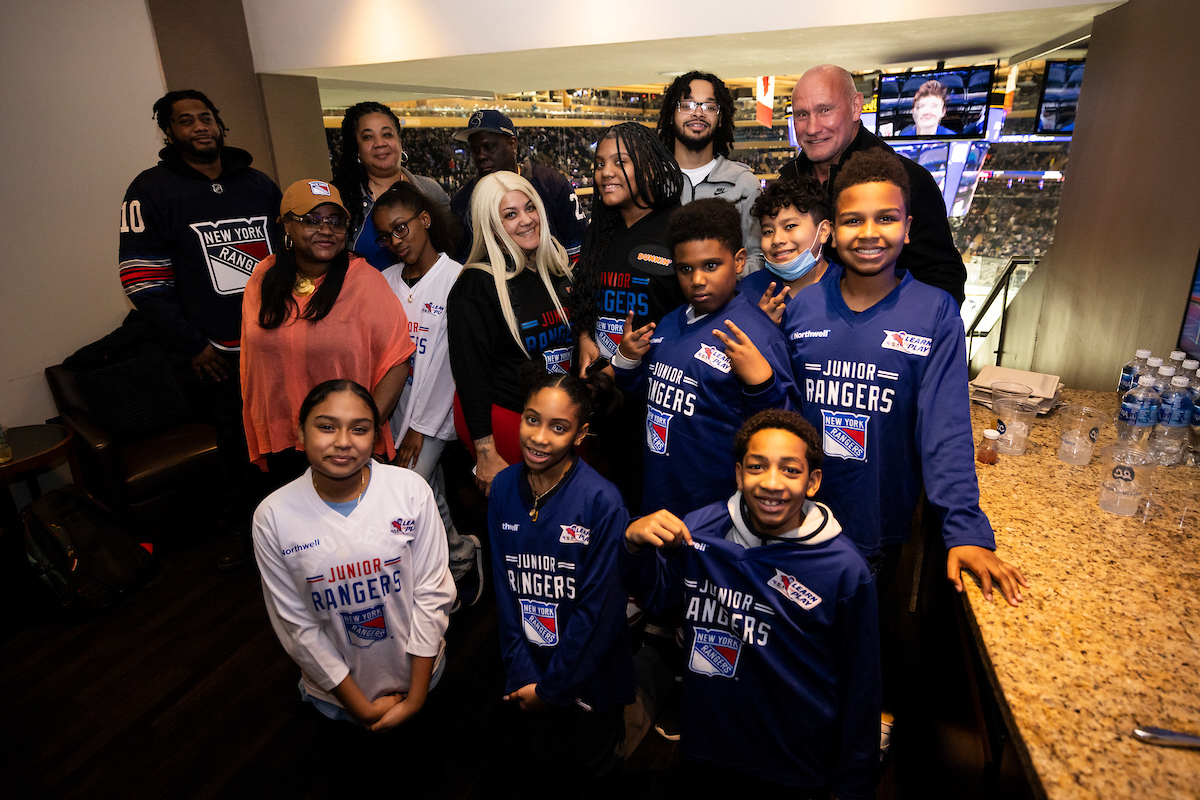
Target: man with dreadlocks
{"type": "Point", "coordinates": [192, 229]}
{"type": "Point", "coordinates": [696, 125]}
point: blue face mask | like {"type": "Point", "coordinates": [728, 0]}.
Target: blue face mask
{"type": "Point", "coordinates": [799, 266]}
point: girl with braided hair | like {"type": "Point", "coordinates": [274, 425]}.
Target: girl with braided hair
{"type": "Point", "coordinates": [625, 267]}
{"type": "Point", "coordinates": [625, 264]}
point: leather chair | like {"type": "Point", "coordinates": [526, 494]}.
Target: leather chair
{"type": "Point", "coordinates": [161, 484]}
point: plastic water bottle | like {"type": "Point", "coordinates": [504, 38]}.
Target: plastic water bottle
{"type": "Point", "coordinates": [1174, 417]}
{"type": "Point", "coordinates": [1139, 412]}
{"type": "Point", "coordinates": [1129, 371]}
{"type": "Point", "coordinates": [1151, 368]}
{"type": "Point", "coordinates": [1177, 359]}
{"type": "Point", "coordinates": [1188, 370]}
{"type": "Point", "coordinates": [1162, 380]}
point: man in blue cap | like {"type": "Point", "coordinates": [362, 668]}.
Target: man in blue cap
{"type": "Point", "coordinates": [493, 143]}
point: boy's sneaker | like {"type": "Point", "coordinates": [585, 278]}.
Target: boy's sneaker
{"type": "Point", "coordinates": [470, 585]}
{"type": "Point", "coordinates": [886, 721]}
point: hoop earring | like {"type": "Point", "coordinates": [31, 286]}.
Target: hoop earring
{"type": "Point", "coordinates": [287, 242]}
{"type": "Point", "coordinates": [403, 157]}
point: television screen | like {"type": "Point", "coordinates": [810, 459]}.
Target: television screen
{"type": "Point", "coordinates": [1189, 337]}
{"type": "Point", "coordinates": [1060, 95]}
{"type": "Point", "coordinates": [939, 104]}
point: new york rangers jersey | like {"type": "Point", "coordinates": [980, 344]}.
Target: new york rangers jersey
{"type": "Point", "coordinates": [887, 391]}
{"type": "Point", "coordinates": [559, 597]}
{"type": "Point", "coordinates": [781, 640]}
{"type": "Point", "coordinates": [189, 244]}
{"type": "Point", "coordinates": [355, 595]}
{"type": "Point", "coordinates": [427, 402]}
{"type": "Point", "coordinates": [695, 404]}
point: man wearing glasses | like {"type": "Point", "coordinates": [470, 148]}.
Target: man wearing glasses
{"type": "Point", "coordinates": [696, 125]}
{"type": "Point", "coordinates": [192, 229]}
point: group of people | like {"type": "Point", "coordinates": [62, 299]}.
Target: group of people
{"type": "Point", "coordinates": [750, 374]}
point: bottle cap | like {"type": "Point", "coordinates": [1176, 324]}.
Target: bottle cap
{"type": "Point", "coordinates": [1143, 354]}
{"type": "Point", "coordinates": [1178, 355]}
{"type": "Point", "coordinates": [1154, 362]}
{"type": "Point", "coordinates": [1166, 371]}
{"type": "Point", "coordinates": [1180, 380]}
{"type": "Point", "coordinates": [991, 434]}
{"type": "Point", "coordinates": [1146, 380]}
{"type": "Point", "coordinates": [1191, 364]}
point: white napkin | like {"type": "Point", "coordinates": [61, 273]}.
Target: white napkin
{"type": "Point", "coordinates": [1044, 387]}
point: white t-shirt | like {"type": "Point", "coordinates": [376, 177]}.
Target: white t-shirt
{"type": "Point", "coordinates": [356, 595]}
{"type": "Point", "coordinates": [427, 402]}
{"type": "Point", "coordinates": [698, 174]}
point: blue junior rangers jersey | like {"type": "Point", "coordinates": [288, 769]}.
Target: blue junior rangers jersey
{"type": "Point", "coordinates": [887, 391]}
{"type": "Point", "coordinates": [781, 677]}
{"type": "Point", "coordinates": [559, 597]}
{"type": "Point", "coordinates": [695, 404]}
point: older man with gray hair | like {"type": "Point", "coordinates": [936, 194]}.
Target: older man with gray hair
{"type": "Point", "coordinates": [826, 107]}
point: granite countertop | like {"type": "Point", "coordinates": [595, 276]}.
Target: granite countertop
{"type": "Point", "coordinates": [1108, 636]}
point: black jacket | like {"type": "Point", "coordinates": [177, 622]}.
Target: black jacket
{"type": "Point", "coordinates": [930, 254]}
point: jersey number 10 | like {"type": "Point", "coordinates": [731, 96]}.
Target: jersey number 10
{"type": "Point", "coordinates": [131, 217]}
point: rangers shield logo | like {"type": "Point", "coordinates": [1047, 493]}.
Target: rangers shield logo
{"type": "Point", "coordinates": [366, 627]}
{"type": "Point", "coordinates": [231, 249]}
{"type": "Point", "coordinates": [319, 188]}
{"type": "Point", "coordinates": [609, 331]}
{"type": "Point", "coordinates": [794, 590]}
{"type": "Point", "coordinates": [714, 357]}
{"type": "Point", "coordinates": [574, 534]}
{"type": "Point", "coordinates": [844, 435]}
{"type": "Point", "coordinates": [558, 360]}
{"type": "Point", "coordinates": [540, 622]}
{"type": "Point", "coordinates": [714, 652]}
{"type": "Point", "coordinates": [658, 424]}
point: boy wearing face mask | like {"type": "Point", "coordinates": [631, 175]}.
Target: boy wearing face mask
{"type": "Point", "coordinates": [794, 217]}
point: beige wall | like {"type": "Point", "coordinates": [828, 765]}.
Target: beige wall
{"type": "Point", "coordinates": [296, 128]}
{"type": "Point", "coordinates": [1119, 272]}
{"type": "Point", "coordinates": [79, 82]}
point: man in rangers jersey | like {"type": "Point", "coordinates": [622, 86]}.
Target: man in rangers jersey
{"type": "Point", "coordinates": [781, 686]}
{"type": "Point", "coordinates": [192, 229]}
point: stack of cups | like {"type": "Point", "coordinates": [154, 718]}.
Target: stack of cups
{"type": "Point", "coordinates": [1078, 428]}
{"type": "Point", "coordinates": [1013, 417]}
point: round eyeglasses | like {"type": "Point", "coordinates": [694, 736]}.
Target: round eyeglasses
{"type": "Point", "coordinates": [398, 233]}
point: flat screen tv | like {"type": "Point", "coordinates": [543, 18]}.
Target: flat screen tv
{"type": "Point", "coordinates": [1060, 96]}
{"type": "Point", "coordinates": [938, 104]}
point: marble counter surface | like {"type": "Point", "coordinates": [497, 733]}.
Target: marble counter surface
{"type": "Point", "coordinates": [1108, 637]}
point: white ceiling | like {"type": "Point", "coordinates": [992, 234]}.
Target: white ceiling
{"type": "Point", "coordinates": [880, 45]}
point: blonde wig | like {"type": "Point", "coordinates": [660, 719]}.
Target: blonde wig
{"type": "Point", "coordinates": [490, 243]}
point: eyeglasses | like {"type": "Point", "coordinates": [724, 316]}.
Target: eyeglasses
{"type": "Point", "coordinates": [313, 222]}
{"type": "Point", "coordinates": [692, 105]}
{"type": "Point", "coordinates": [398, 233]}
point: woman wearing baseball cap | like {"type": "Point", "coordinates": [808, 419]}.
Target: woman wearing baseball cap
{"type": "Point", "coordinates": [312, 313]}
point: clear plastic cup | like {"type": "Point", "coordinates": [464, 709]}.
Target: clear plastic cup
{"type": "Point", "coordinates": [1014, 421]}
{"type": "Point", "coordinates": [1127, 479]}
{"type": "Point", "coordinates": [1008, 389]}
{"type": "Point", "coordinates": [1078, 427]}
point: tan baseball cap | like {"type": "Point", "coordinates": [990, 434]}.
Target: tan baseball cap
{"type": "Point", "coordinates": [303, 196]}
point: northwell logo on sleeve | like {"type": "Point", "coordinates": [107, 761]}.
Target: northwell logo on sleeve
{"type": "Point", "coordinates": [906, 343]}
{"type": "Point", "coordinates": [798, 335]}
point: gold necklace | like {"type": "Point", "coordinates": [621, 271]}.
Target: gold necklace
{"type": "Point", "coordinates": [362, 486]}
{"type": "Point", "coordinates": [303, 286]}
{"type": "Point", "coordinates": [537, 498]}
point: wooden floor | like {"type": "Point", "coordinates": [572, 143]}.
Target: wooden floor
{"type": "Point", "coordinates": [183, 691]}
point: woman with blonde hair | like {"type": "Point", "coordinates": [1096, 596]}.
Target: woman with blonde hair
{"type": "Point", "coordinates": [506, 309]}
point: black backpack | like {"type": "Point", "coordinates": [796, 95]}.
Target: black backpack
{"type": "Point", "coordinates": [79, 550]}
